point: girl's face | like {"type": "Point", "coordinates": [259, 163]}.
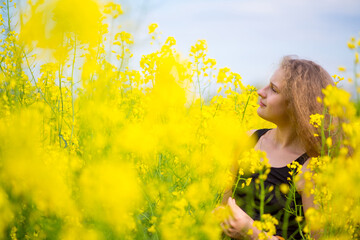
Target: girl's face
{"type": "Point", "coordinates": [273, 106]}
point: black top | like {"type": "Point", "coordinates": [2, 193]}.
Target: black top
{"type": "Point", "coordinates": [275, 201]}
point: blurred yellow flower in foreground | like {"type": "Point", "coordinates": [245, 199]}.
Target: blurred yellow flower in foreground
{"type": "Point", "coordinates": [45, 24]}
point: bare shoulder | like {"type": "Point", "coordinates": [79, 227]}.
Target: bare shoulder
{"type": "Point", "coordinates": [305, 169]}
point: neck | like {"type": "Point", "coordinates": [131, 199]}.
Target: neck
{"type": "Point", "coordinates": [285, 136]}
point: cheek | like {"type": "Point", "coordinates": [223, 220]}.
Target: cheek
{"type": "Point", "coordinates": [277, 107]}
{"type": "Point", "coordinates": [280, 108]}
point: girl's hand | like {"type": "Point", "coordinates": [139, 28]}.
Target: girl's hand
{"type": "Point", "coordinates": [238, 223]}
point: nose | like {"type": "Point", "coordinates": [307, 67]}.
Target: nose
{"type": "Point", "coordinates": [261, 92]}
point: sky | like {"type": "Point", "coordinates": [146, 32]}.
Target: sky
{"type": "Point", "coordinates": [251, 36]}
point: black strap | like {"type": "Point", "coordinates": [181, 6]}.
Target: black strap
{"type": "Point", "coordinates": [302, 159]}
{"type": "Point", "coordinates": [261, 132]}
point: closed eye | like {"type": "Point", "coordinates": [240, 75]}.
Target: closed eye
{"type": "Point", "coordinates": [273, 88]}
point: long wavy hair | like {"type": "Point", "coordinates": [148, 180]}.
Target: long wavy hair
{"type": "Point", "coordinates": [304, 81]}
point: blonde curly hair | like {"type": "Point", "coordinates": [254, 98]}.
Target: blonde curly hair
{"type": "Point", "coordinates": [304, 81]}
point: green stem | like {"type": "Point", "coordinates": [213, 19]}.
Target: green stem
{"type": "Point", "coordinates": [122, 57]}
{"type": "Point", "coordinates": [96, 59]}
{"type": "Point", "coordinates": [61, 108]}
{"type": "Point", "coordinates": [356, 83]}
{"type": "Point", "coordinates": [151, 209]}
{"type": "Point", "coordinates": [235, 103]}
{"type": "Point", "coordinates": [35, 83]}
{"type": "Point", "coordinates": [262, 196]}
{"type": "Point", "coordinates": [322, 153]}
{"type": "Point", "coordinates": [329, 135]}
{"type": "Point", "coordinates": [8, 15]}
{"type": "Point", "coordinates": [217, 107]}
{"type": "Point", "coordinates": [236, 184]}
{"type": "Point", "coordinates": [300, 227]}
{"type": "Point", "coordinates": [287, 211]}
{"type": "Point", "coordinates": [247, 102]}
{"type": "Point", "coordinates": [72, 92]}
{"type": "Point", "coordinates": [198, 80]}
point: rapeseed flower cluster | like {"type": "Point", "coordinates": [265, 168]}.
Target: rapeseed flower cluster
{"type": "Point", "coordinates": [331, 181]}
{"type": "Point", "coordinates": [92, 149]}
{"type": "Point", "coordinates": [267, 226]}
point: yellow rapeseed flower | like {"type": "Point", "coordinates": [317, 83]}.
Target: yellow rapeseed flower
{"type": "Point", "coordinates": [342, 68]}
{"type": "Point", "coordinates": [152, 27]}
{"type": "Point", "coordinates": [316, 119]}
{"type": "Point", "coordinates": [248, 181]}
{"type": "Point", "coordinates": [113, 9]}
{"type": "Point", "coordinates": [351, 45]}
{"type": "Point", "coordinates": [152, 229]}
{"type": "Point", "coordinates": [329, 141]}
{"type": "Point", "coordinates": [170, 41]}
{"type": "Point", "coordinates": [284, 188]}
{"type": "Point", "coordinates": [338, 102]}
{"type": "Point", "coordinates": [45, 24]}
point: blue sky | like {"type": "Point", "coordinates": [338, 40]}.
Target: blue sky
{"type": "Point", "coordinates": [251, 36]}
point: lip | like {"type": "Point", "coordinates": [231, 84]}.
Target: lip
{"type": "Point", "coordinates": [261, 104]}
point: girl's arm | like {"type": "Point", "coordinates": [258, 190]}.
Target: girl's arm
{"type": "Point", "coordinates": [228, 192]}
{"type": "Point", "coordinates": [307, 199]}
{"type": "Point", "coordinates": [234, 171]}
{"type": "Point", "coordinates": [239, 223]}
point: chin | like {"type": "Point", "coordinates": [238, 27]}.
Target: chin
{"type": "Point", "coordinates": [261, 114]}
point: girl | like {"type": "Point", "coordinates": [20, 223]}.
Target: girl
{"type": "Point", "coordinates": [287, 101]}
